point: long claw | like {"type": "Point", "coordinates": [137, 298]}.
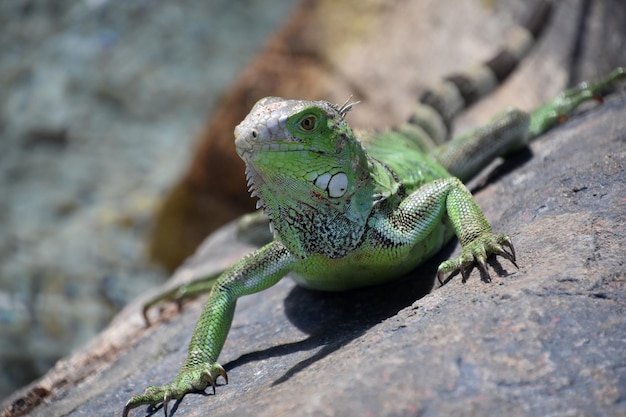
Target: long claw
{"type": "Point", "coordinates": [223, 373]}
{"type": "Point", "coordinates": [165, 407]}
{"type": "Point", "coordinates": [509, 245]}
{"type": "Point", "coordinates": [481, 263]}
{"type": "Point", "coordinates": [483, 267]}
{"type": "Point", "coordinates": [463, 273]}
{"type": "Point", "coordinates": [210, 379]}
{"type": "Point", "coordinates": [509, 257]}
{"type": "Point", "coordinates": [440, 274]}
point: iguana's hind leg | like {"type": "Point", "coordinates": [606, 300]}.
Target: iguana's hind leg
{"type": "Point", "coordinates": [565, 104]}
{"type": "Point", "coordinates": [466, 155]}
{"type": "Point", "coordinates": [195, 288]}
{"type": "Point", "coordinates": [251, 228]}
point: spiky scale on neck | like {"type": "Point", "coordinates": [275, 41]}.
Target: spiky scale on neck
{"type": "Point", "coordinates": [309, 172]}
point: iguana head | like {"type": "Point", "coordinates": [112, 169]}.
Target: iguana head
{"type": "Point", "coordinates": [301, 156]}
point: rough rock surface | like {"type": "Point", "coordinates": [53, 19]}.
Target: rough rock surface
{"type": "Point", "coordinates": [547, 339]}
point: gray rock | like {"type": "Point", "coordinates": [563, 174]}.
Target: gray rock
{"type": "Point", "coordinates": [547, 339]}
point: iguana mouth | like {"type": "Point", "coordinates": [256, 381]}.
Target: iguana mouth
{"type": "Point", "coordinates": [246, 144]}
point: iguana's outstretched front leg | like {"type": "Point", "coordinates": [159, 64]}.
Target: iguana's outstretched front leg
{"type": "Point", "coordinates": [473, 231]}
{"type": "Point", "coordinates": [256, 272]}
{"type": "Point", "coordinates": [447, 200]}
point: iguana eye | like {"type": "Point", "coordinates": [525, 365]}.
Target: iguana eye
{"type": "Point", "coordinates": [308, 123]}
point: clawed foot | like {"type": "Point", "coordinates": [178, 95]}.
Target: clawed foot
{"type": "Point", "coordinates": [189, 380]}
{"type": "Point", "coordinates": [477, 252]}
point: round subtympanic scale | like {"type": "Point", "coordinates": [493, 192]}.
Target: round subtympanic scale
{"type": "Point", "coordinates": [338, 185]}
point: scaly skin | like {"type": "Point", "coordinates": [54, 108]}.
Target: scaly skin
{"type": "Point", "coordinates": [345, 217]}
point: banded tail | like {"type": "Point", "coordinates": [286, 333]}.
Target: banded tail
{"type": "Point", "coordinates": [439, 105]}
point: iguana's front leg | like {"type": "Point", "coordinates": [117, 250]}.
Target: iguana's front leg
{"type": "Point", "coordinates": [444, 201]}
{"type": "Point", "coordinates": [473, 231]}
{"type": "Point", "coordinates": [256, 272]}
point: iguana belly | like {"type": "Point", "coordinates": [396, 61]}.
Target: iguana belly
{"type": "Point", "coordinates": [376, 262]}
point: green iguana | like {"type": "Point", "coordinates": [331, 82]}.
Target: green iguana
{"type": "Point", "coordinates": [352, 209]}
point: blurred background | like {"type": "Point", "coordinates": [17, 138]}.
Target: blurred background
{"type": "Point", "coordinates": [100, 104]}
